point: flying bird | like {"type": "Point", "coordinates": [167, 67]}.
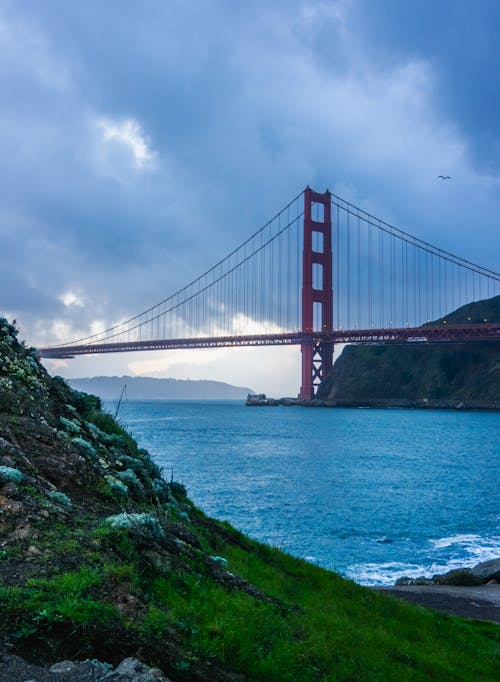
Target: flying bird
{"type": "Point", "coordinates": [445, 177]}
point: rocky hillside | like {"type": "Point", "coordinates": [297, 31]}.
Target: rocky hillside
{"type": "Point", "coordinates": [102, 560]}
{"type": "Point", "coordinates": [451, 375]}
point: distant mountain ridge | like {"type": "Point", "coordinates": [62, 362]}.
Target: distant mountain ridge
{"type": "Point", "coordinates": [110, 388]}
{"type": "Point", "coordinates": [438, 375]}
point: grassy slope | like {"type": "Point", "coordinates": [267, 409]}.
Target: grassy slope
{"type": "Point", "coordinates": [72, 586]}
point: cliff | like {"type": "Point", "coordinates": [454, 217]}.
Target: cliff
{"type": "Point", "coordinates": [426, 375]}
{"type": "Point", "coordinates": [102, 558]}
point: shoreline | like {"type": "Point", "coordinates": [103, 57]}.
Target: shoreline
{"type": "Point", "coordinates": [480, 602]}
{"type": "Point", "coordinates": [468, 592]}
{"type": "Point", "coordinates": [261, 400]}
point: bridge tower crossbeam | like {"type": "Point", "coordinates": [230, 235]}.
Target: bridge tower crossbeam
{"type": "Point", "coordinates": [317, 291]}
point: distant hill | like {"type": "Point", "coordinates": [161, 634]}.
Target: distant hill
{"type": "Point", "coordinates": [110, 388]}
{"type": "Point", "coordinates": [445, 375]}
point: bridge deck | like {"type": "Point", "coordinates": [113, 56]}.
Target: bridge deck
{"type": "Point", "coordinates": [441, 334]}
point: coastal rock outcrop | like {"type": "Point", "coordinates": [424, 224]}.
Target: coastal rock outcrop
{"type": "Point", "coordinates": [462, 376]}
{"type": "Point", "coordinates": [487, 572]}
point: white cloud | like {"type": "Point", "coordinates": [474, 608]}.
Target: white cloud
{"type": "Point", "coordinates": [163, 364]}
{"type": "Point", "coordinates": [130, 134]}
{"type": "Point", "coordinates": [71, 299]}
{"type": "Point", "coordinates": [243, 324]}
{"type": "Point", "coordinates": [60, 331]}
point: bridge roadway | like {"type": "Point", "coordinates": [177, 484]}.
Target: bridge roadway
{"type": "Point", "coordinates": [438, 334]}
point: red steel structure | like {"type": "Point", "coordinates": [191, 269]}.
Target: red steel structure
{"type": "Point", "coordinates": [442, 334]}
{"type": "Point", "coordinates": [317, 291]}
{"type": "Point", "coordinates": [259, 273]}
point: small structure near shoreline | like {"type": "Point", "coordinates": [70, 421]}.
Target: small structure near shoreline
{"type": "Point", "coordinates": [261, 400]}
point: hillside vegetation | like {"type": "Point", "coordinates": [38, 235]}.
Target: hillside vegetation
{"type": "Point", "coordinates": [435, 375]}
{"type": "Point", "coordinates": [100, 557]}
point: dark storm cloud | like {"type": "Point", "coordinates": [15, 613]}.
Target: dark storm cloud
{"type": "Point", "coordinates": [460, 40]}
{"type": "Point", "coordinates": [142, 140]}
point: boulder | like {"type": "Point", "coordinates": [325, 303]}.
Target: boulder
{"type": "Point", "coordinates": [136, 671]}
{"type": "Point", "coordinates": [487, 570]}
{"type": "Point", "coordinates": [63, 667]}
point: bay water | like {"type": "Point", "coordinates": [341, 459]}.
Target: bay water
{"type": "Point", "coordinates": [372, 494]}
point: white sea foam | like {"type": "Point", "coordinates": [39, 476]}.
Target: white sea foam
{"type": "Point", "coordinates": [382, 574]}
{"type": "Point", "coordinates": [444, 554]}
{"type": "Point", "coordinates": [470, 549]}
{"type": "Point", "coordinates": [465, 539]}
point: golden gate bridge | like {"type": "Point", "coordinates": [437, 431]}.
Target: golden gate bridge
{"type": "Point", "coordinates": [320, 272]}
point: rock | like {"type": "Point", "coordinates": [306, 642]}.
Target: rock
{"type": "Point", "coordinates": [6, 447]}
{"type": "Point", "coordinates": [220, 560]}
{"type": "Point", "coordinates": [487, 571]}
{"type": "Point", "coordinates": [11, 506]}
{"type": "Point", "coordinates": [63, 667]}
{"type": "Point", "coordinates": [461, 577]}
{"type": "Point", "coordinates": [129, 666]}
{"type": "Point", "coordinates": [160, 561]}
{"type": "Point", "coordinates": [421, 580]}
{"type": "Point", "coordinates": [139, 672]}
{"type": "Point", "coordinates": [22, 532]}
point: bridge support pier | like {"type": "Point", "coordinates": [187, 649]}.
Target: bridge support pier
{"type": "Point", "coordinates": [317, 292]}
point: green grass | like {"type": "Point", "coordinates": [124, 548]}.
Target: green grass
{"type": "Point", "coordinates": [314, 626]}
{"type": "Point", "coordinates": [38, 607]}
{"type": "Point", "coordinates": [337, 630]}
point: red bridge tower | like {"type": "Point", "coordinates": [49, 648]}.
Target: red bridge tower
{"type": "Point", "coordinates": [317, 291]}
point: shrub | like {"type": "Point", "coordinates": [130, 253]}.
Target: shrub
{"type": "Point", "coordinates": [131, 480]}
{"type": "Point", "coordinates": [70, 425]}
{"type": "Point", "coordinates": [86, 403]}
{"type": "Point", "coordinates": [84, 445]}
{"type": "Point", "coordinates": [142, 527]}
{"type": "Point", "coordinates": [9, 474]}
{"type": "Point", "coordinates": [162, 490]}
{"type": "Point", "coordinates": [61, 498]}
{"type": "Point", "coordinates": [178, 490]}
{"type": "Point", "coordinates": [116, 485]}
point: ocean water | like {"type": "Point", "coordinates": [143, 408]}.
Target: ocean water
{"type": "Point", "coordinates": [372, 494]}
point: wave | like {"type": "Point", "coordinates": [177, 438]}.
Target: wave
{"type": "Point", "coordinates": [439, 556]}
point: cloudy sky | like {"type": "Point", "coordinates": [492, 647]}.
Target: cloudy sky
{"type": "Point", "coordinates": [141, 140]}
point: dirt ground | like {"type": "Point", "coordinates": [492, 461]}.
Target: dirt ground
{"type": "Point", "coordinates": [481, 602]}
